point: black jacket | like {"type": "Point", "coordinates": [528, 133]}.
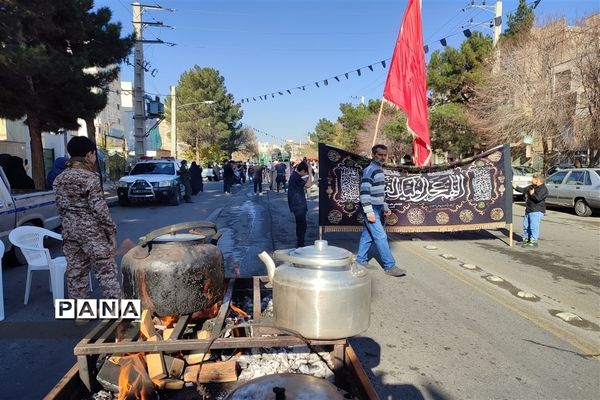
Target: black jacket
{"type": "Point", "coordinates": [296, 196]}
{"type": "Point", "coordinates": [537, 201]}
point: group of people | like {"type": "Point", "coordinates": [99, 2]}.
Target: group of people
{"type": "Point", "coordinates": [192, 180]}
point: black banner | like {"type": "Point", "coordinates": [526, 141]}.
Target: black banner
{"type": "Point", "coordinates": [472, 194]}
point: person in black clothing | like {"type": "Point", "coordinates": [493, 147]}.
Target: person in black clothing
{"type": "Point", "coordinates": [196, 178]}
{"type": "Point", "coordinates": [280, 179]}
{"type": "Point", "coordinates": [184, 173]}
{"type": "Point", "coordinates": [228, 176]}
{"type": "Point", "coordinates": [535, 208]}
{"type": "Point", "coordinates": [300, 179]}
{"type": "Point", "coordinates": [257, 178]}
{"type": "Point", "coordinates": [15, 172]}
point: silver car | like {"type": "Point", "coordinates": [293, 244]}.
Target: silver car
{"type": "Point", "coordinates": [522, 176]}
{"type": "Point", "coordinates": [578, 188]}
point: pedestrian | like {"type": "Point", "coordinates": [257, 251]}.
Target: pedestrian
{"type": "Point", "coordinates": [407, 160]}
{"type": "Point", "coordinates": [184, 174]}
{"type": "Point", "coordinates": [196, 178]}
{"type": "Point", "coordinates": [89, 233]}
{"type": "Point", "coordinates": [250, 172]}
{"type": "Point", "coordinates": [257, 178]}
{"type": "Point", "coordinates": [280, 168]}
{"type": "Point", "coordinates": [375, 209]}
{"type": "Point", "coordinates": [14, 169]}
{"type": "Point", "coordinates": [300, 179]}
{"type": "Point", "coordinates": [59, 166]}
{"type": "Point", "coordinates": [216, 172]}
{"type": "Point", "coordinates": [228, 176]}
{"type": "Point", "coordinates": [535, 208]}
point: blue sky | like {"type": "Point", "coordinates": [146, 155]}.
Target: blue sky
{"type": "Point", "coordinates": [263, 46]}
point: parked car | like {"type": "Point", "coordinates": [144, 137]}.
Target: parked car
{"type": "Point", "coordinates": [522, 177]}
{"type": "Point", "coordinates": [207, 173]}
{"type": "Point", "coordinates": [25, 207]}
{"type": "Point", "coordinates": [578, 188]}
{"type": "Point", "coordinates": [559, 167]}
{"type": "Point", "coordinates": [152, 180]}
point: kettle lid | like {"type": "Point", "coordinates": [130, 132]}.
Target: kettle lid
{"type": "Point", "coordinates": [321, 251]}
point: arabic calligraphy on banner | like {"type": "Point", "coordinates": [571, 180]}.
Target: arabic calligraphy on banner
{"type": "Point", "coordinates": [469, 195]}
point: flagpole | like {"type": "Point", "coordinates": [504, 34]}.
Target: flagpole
{"type": "Point", "coordinates": [377, 124]}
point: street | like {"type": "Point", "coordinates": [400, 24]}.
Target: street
{"type": "Point", "coordinates": [460, 325]}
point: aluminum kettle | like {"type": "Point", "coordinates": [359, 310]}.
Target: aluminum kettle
{"type": "Point", "coordinates": [319, 291]}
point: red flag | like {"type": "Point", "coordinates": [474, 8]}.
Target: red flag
{"type": "Point", "coordinates": [406, 84]}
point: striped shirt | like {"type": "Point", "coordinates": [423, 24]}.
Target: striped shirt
{"type": "Point", "coordinates": [372, 188]}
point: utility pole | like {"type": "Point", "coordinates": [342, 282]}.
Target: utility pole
{"type": "Point", "coordinates": [496, 23]}
{"type": "Point", "coordinates": [173, 123]}
{"type": "Point", "coordinates": [139, 103]}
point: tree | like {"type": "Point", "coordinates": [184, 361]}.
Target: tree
{"type": "Point", "coordinates": [451, 130]}
{"type": "Point", "coordinates": [44, 55]}
{"type": "Point", "coordinates": [324, 132]}
{"type": "Point", "coordinates": [520, 23]}
{"type": "Point", "coordinates": [529, 95]}
{"type": "Point", "coordinates": [207, 114]}
{"type": "Point", "coordinates": [452, 74]}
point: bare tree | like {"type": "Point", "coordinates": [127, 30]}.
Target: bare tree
{"type": "Point", "coordinates": [531, 91]}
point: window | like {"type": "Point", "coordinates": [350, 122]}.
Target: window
{"type": "Point", "coordinates": [576, 178]}
{"type": "Point", "coordinates": [557, 178]}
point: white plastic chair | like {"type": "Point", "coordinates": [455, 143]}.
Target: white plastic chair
{"type": "Point", "coordinates": [1, 283]}
{"type": "Point", "coordinates": [30, 239]}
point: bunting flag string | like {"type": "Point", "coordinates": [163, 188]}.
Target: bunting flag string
{"type": "Point", "coordinates": [325, 82]}
{"type": "Point", "coordinates": [256, 130]}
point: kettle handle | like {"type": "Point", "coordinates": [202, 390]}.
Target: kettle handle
{"type": "Point", "coordinates": [171, 229]}
{"type": "Point", "coordinates": [284, 255]}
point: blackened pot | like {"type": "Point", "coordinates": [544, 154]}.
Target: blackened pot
{"type": "Point", "coordinates": [175, 273]}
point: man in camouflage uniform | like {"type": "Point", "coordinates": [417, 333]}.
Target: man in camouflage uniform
{"type": "Point", "coordinates": [89, 233]}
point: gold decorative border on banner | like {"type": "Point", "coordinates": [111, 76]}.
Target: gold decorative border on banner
{"type": "Point", "coordinates": [418, 229]}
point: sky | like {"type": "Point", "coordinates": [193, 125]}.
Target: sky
{"type": "Point", "coordinates": [267, 46]}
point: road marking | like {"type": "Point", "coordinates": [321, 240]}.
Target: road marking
{"type": "Point", "coordinates": [589, 348]}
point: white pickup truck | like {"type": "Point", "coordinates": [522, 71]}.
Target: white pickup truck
{"type": "Point", "coordinates": [25, 207]}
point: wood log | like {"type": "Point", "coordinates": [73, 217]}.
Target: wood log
{"type": "Point", "coordinates": [155, 362]}
{"type": "Point", "coordinates": [167, 333]}
{"type": "Point", "coordinates": [147, 325]}
{"type": "Point", "coordinates": [171, 384]}
{"type": "Point", "coordinates": [225, 371]}
{"type": "Point", "coordinates": [175, 366]}
{"type": "Point", "coordinates": [197, 356]}
{"type": "Point", "coordinates": [191, 373]}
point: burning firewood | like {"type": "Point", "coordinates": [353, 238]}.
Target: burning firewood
{"type": "Point", "coordinates": [134, 382]}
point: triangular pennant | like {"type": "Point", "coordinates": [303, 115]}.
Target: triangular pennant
{"type": "Point", "coordinates": [346, 74]}
{"type": "Point", "coordinates": [281, 94]}
{"type": "Point", "coordinates": [383, 63]}
{"type": "Point", "coordinates": [289, 91]}
{"type": "Point", "coordinates": [325, 82]}
{"type": "Point", "coordinates": [358, 71]}
{"type": "Point", "coordinates": [254, 98]}
{"type": "Point", "coordinates": [371, 67]}
{"type": "Point", "coordinates": [426, 49]}
{"type": "Point", "coordinates": [317, 83]}
{"type": "Point", "coordinates": [336, 78]}
{"type": "Point", "coordinates": [467, 33]}
{"type": "Point", "coordinates": [443, 42]}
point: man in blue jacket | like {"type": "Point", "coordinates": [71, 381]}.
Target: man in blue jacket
{"type": "Point", "coordinates": [372, 199]}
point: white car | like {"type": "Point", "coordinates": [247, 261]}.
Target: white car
{"type": "Point", "coordinates": [152, 180]}
{"type": "Point", "coordinates": [522, 176]}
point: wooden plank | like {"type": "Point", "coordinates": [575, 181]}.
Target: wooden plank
{"type": "Point", "coordinates": [256, 306]}
{"type": "Point", "coordinates": [224, 309]}
{"type": "Point", "coordinates": [94, 333]}
{"type": "Point", "coordinates": [191, 373]}
{"type": "Point", "coordinates": [155, 362]}
{"type": "Point", "coordinates": [225, 371]}
{"type": "Point", "coordinates": [363, 383]}
{"type": "Point", "coordinates": [171, 384]}
{"type": "Point", "coordinates": [179, 327]}
{"type": "Point", "coordinates": [85, 372]}
{"type": "Point", "coordinates": [197, 356]}
{"type": "Point", "coordinates": [175, 369]}
{"type": "Point", "coordinates": [147, 325]}
{"type": "Point", "coordinates": [169, 346]}
{"type": "Point", "coordinates": [167, 333]}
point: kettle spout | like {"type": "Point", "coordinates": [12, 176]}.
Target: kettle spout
{"type": "Point", "coordinates": [269, 263]}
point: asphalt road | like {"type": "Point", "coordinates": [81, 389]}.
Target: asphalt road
{"type": "Point", "coordinates": [444, 331]}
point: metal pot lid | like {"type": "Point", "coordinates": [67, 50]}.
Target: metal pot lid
{"type": "Point", "coordinates": [287, 386]}
{"type": "Point", "coordinates": [178, 237]}
{"type": "Point", "coordinates": [321, 251]}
